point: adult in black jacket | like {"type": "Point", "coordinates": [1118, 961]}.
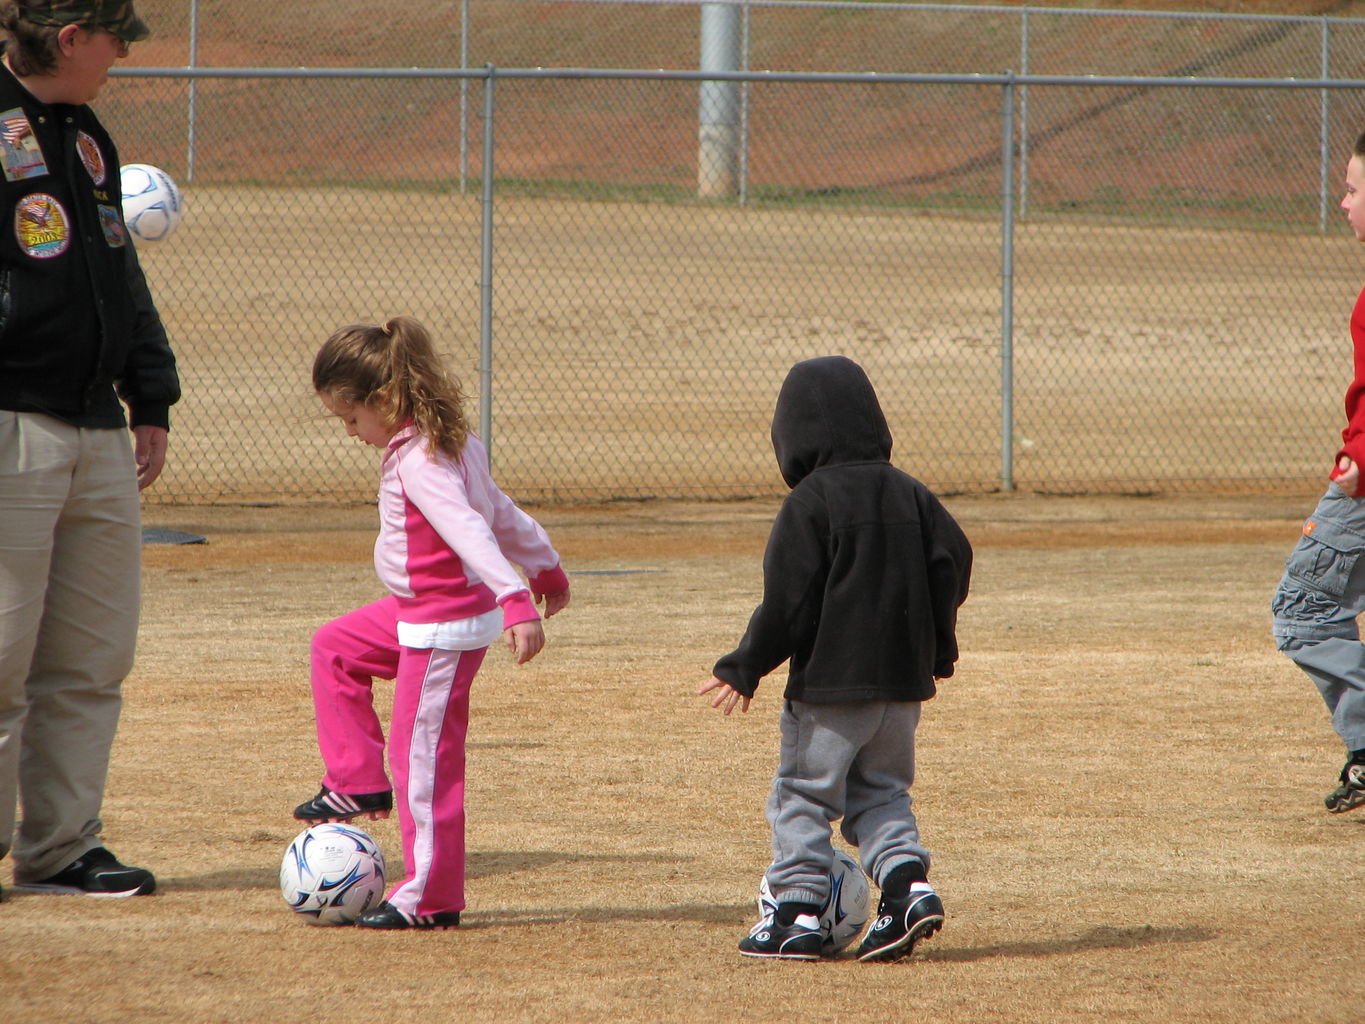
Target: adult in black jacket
{"type": "Point", "coordinates": [80, 340]}
{"type": "Point", "coordinates": [863, 575]}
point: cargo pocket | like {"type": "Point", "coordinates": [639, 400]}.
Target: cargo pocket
{"type": "Point", "coordinates": [1325, 557]}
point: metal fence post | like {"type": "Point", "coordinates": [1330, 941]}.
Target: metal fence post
{"type": "Point", "coordinates": [464, 98]}
{"type": "Point", "coordinates": [744, 110]}
{"type": "Point", "coordinates": [1322, 134]}
{"type": "Point", "coordinates": [191, 113]}
{"type": "Point", "coordinates": [718, 103]}
{"type": "Point", "coordinates": [1007, 286]}
{"type": "Point", "coordinates": [1023, 114]}
{"type": "Point", "coordinates": [486, 272]}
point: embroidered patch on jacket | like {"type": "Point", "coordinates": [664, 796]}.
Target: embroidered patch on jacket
{"type": "Point", "coordinates": [41, 226]}
{"type": "Point", "coordinates": [111, 221]}
{"type": "Point", "coordinates": [1309, 526]}
{"type": "Point", "coordinates": [20, 153]}
{"type": "Point", "coordinates": [92, 157]}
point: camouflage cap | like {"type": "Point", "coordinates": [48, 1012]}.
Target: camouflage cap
{"type": "Point", "coordinates": [114, 16]}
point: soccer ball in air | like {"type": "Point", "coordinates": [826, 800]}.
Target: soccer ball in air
{"type": "Point", "coordinates": [152, 204]}
{"type": "Point", "coordinates": [844, 914]}
{"type": "Point", "coordinates": [332, 873]}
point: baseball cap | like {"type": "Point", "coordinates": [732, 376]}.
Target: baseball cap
{"type": "Point", "coordinates": [114, 16]}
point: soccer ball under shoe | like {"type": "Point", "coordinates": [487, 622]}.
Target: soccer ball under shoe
{"type": "Point", "coordinates": [332, 873]}
{"type": "Point", "coordinates": [152, 204]}
{"type": "Point", "coordinates": [844, 915]}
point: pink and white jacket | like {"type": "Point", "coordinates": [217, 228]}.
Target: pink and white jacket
{"type": "Point", "coordinates": [448, 537]}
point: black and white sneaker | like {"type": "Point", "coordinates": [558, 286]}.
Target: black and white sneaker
{"type": "Point", "coordinates": [1351, 793]}
{"type": "Point", "coordinates": [901, 923]}
{"type": "Point", "coordinates": [800, 940]}
{"type": "Point", "coordinates": [330, 805]}
{"type": "Point", "coordinates": [97, 873]}
{"type": "Point", "coordinates": [389, 917]}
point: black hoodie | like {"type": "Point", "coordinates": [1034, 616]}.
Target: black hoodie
{"type": "Point", "coordinates": [864, 569]}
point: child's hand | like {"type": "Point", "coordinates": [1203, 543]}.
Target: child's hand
{"type": "Point", "coordinates": [1347, 475]}
{"type": "Point", "coordinates": [554, 602]}
{"type": "Point", "coordinates": [727, 695]}
{"type": "Point", "coordinates": [524, 640]}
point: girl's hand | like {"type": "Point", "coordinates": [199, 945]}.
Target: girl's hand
{"type": "Point", "coordinates": [524, 640]}
{"type": "Point", "coordinates": [554, 602]}
{"type": "Point", "coordinates": [727, 695]}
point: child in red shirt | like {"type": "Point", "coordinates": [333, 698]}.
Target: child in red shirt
{"type": "Point", "coordinates": [1323, 587]}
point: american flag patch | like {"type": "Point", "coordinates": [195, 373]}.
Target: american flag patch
{"type": "Point", "coordinates": [15, 128]}
{"type": "Point", "coordinates": [20, 153]}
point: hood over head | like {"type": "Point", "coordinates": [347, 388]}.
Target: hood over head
{"type": "Point", "coordinates": [827, 412]}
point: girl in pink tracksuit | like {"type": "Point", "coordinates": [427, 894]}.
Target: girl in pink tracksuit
{"type": "Point", "coordinates": [447, 540]}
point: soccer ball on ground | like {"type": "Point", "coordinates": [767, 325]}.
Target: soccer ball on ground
{"type": "Point", "coordinates": [844, 914]}
{"type": "Point", "coordinates": [332, 873]}
{"type": "Point", "coordinates": [152, 204]}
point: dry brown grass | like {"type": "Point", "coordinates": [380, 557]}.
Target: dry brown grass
{"type": "Point", "coordinates": [1122, 787]}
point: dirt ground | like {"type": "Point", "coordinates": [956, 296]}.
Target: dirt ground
{"type": "Point", "coordinates": [1122, 787]}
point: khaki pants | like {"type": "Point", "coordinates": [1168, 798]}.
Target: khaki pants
{"type": "Point", "coordinates": [70, 563]}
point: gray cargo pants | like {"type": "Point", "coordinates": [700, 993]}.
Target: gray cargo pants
{"type": "Point", "coordinates": [1315, 607]}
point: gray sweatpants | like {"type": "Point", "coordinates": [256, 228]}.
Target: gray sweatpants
{"type": "Point", "coordinates": [1315, 607]}
{"type": "Point", "coordinates": [850, 761]}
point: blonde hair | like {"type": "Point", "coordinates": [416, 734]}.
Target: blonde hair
{"type": "Point", "coordinates": [393, 369]}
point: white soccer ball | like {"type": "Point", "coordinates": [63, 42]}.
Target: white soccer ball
{"type": "Point", "coordinates": [332, 873]}
{"type": "Point", "coordinates": [152, 204]}
{"type": "Point", "coordinates": [844, 915]}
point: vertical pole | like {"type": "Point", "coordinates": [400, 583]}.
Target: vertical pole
{"type": "Point", "coordinates": [744, 112]}
{"type": "Point", "coordinates": [486, 272]}
{"type": "Point", "coordinates": [1007, 289]}
{"type": "Point", "coordinates": [718, 104]}
{"type": "Point", "coordinates": [1323, 130]}
{"type": "Point", "coordinates": [464, 98]}
{"type": "Point", "coordinates": [191, 112]}
{"type": "Point", "coordinates": [1023, 115]}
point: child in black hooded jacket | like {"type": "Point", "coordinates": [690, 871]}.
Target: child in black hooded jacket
{"type": "Point", "coordinates": [862, 578]}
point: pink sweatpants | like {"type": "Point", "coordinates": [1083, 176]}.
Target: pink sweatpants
{"type": "Point", "coordinates": [426, 749]}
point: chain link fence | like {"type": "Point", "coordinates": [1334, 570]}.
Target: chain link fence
{"type": "Point", "coordinates": [1158, 303]}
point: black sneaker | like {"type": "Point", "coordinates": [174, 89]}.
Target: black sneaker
{"type": "Point", "coordinates": [900, 924]}
{"type": "Point", "coordinates": [1351, 793]}
{"type": "Point", "coordinates": [97, 873]}
{"type": "Point", "coordinates": [387, 916]}
{"type": "Point", "coordinates": [800, 940]}
{"type": "Point", "coordinates": [329, 805]}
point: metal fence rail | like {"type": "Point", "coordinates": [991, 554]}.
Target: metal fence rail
{"type": "Point", "coordinates": [1163, 307]}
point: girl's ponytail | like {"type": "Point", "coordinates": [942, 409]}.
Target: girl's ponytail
{"type": "Point", "coordinates": [395, 369]}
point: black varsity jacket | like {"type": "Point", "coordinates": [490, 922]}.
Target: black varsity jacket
{"type": "Point", "coordinates": [78, 327]}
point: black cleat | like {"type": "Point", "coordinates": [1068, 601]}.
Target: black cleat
{"type": "Point", "coordinates": [1351, 793]}
{"type": "Point", "coordinates": [389, 917]}
{"type": "Point", "coordinates": [800, 940]}
{"type": "Point", "coordinates": [901, 923]}
{"type": "Point", "coordinates": [330, 805]}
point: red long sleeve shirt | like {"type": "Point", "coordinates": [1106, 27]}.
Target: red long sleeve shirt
{"type": "Point", "coordinates": [1353, 436]}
